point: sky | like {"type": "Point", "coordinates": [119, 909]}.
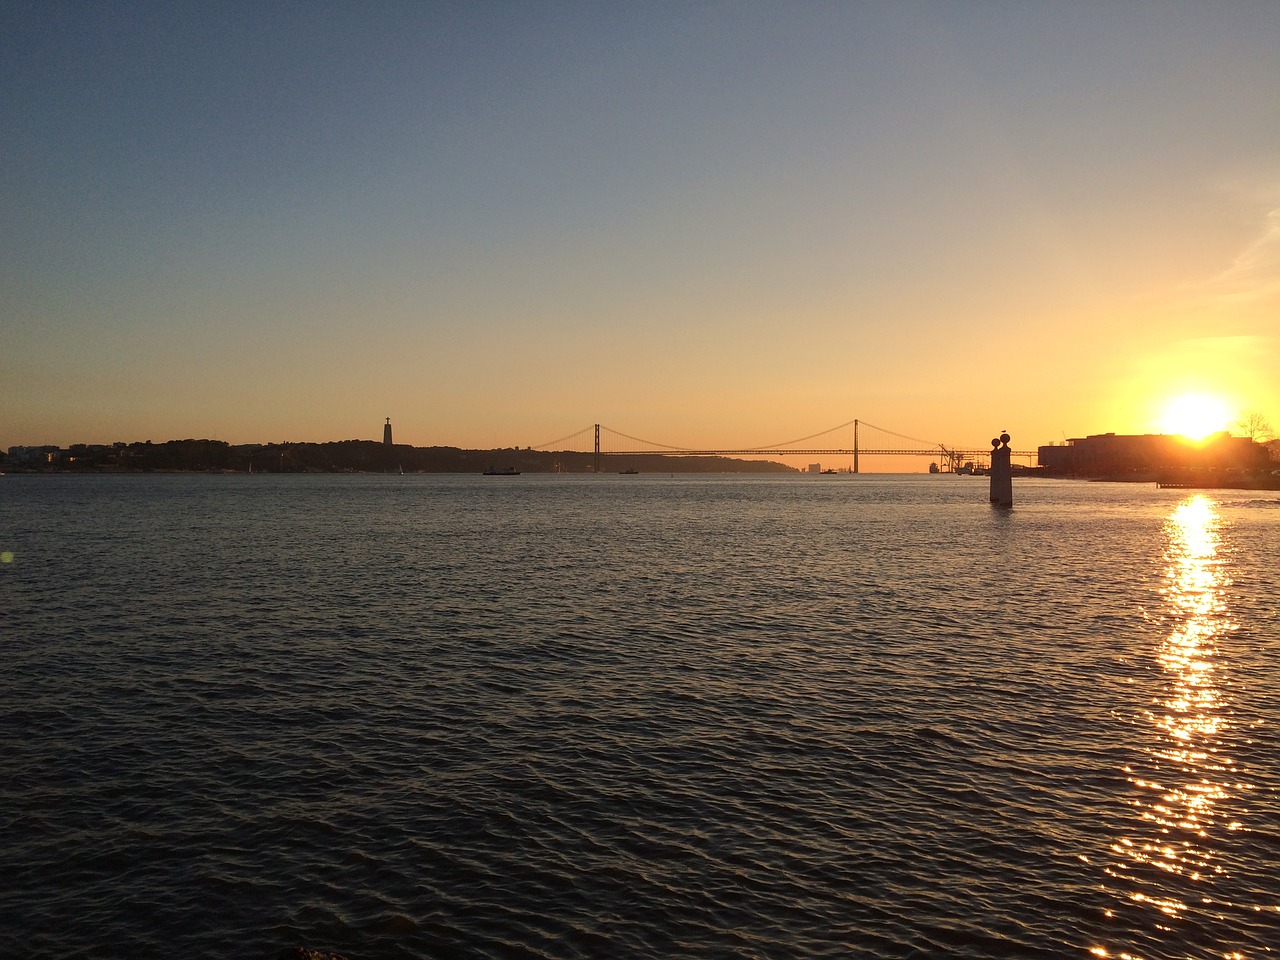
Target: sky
{"type": "Point", "coordinates": [712, 224]}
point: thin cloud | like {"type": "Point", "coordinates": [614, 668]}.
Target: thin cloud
{"type": "Point", "coordinates": [1254, 274]}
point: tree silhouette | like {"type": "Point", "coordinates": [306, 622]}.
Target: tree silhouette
{"type": "Point", "coordinates": [1255, 426]}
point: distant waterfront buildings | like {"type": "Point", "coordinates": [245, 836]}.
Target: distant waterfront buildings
{"type": "Point", "coordinates": [34, 458]}
{"type": "Point", "coordinates": [1112, 456]}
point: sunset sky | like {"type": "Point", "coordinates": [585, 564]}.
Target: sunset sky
{"type": "Point", "coordinates": [699, 223]}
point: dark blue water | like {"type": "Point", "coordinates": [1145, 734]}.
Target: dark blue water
{"type": "Point", "coordinates": [636, 717]}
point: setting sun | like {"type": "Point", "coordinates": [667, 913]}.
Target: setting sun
{"type": "Point", "coordinates": [1195, 415]}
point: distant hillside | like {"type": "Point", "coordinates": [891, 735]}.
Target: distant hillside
{"type": "Point", "coordinates": [360, 456]}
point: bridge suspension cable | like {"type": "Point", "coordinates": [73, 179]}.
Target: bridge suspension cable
{"type": "Point", "coordinates": [589, 438]}
{"type": "Point", "coordinates": [901, 436]}
{"type": "Point", "coordinates": [651, 443]}
{"type": "Point", "coordinates": [850, 423]}
{"type": "Point", "coordinates": [820, 433]}
{"type": "Point", "coordinates": [569, 436]}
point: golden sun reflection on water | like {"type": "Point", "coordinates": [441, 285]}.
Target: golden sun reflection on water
{"type": "Point", "coordinates": [1186, 774]}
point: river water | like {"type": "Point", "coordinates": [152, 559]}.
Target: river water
{"type": "Point", "coordinates": [637, 716]}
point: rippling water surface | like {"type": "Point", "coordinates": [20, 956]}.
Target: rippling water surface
{"type": "Point", "coordinates": [644, 716]}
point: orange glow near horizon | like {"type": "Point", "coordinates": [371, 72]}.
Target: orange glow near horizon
{"type": "Point", "coordinates": [1194, 415]}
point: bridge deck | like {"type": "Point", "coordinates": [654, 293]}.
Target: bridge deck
{"type": "Point", "coordinates": [928, 452]}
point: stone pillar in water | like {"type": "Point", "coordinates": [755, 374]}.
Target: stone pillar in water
{"type": "Point", "coordinates": [1001, 472]}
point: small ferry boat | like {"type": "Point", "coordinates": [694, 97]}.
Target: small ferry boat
{"type": "Point", "coordinates": [502, 472]}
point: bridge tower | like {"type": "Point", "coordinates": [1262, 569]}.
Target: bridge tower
{"type": "Point", "coordinates": [855, 446]}
{"type": "Point", "coordinates": [597, 464]}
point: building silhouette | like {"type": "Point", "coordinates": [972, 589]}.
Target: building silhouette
{"type": "Point", "coordinates": [386, 433]}
{"type": "Point", "coordinates": [1131, 457]}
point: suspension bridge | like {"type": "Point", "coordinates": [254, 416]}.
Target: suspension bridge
{"type": "Point", "coordinates": [854, 438]}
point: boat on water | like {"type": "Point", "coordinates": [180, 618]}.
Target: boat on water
{"type": "Point", "coordinates": [502, 472]}
{"type": "Point", "coordinates": [628, 471]}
